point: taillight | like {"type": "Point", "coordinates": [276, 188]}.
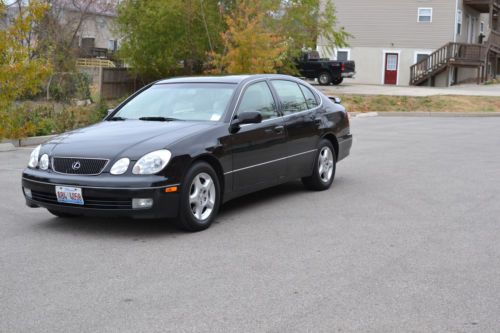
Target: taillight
{"type": "Point", "coordinates": [342, 67]}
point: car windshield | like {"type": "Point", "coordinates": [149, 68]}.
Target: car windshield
{"type": "Point", "coordinates": [179, 101]}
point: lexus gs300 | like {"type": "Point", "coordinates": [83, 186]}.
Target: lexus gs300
{"type": "Point", "coordinates": [179, 148]}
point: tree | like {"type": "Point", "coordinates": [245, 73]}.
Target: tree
{"type": "Point", "coordinates": [22, 71]}
{"type": "Point", "coordinates": [249, 46]}
{"type": "Point", "coordinates": [162, 38]}
{"type": "Point", "coordinates": [303, 22]}
{"type": "Point", "coordinates": [59, 32]}
{"type": "Point", "coordinates": [285, 28]}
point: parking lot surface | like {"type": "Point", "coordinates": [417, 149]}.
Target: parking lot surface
{"type": "Point", "coordinates": [405, 241]}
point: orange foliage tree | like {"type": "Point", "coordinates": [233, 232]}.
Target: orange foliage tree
{"type": "Point", "coordinates": [249, 46]}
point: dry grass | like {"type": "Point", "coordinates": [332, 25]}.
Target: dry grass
{"type": "Point", "coordinates": [367, 103]}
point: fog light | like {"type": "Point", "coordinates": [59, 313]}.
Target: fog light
{"type": "Point", "coordinates": [27, 192]}
{"type": "Point", "coordinates": [142, 203]}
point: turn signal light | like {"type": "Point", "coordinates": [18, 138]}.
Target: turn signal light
{"type": "Point", "coordinates": [171, 189]}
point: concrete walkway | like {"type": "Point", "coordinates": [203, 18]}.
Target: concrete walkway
{"type": "Point", "coordinates": [364, 89]}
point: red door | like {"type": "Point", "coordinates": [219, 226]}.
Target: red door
{"type": "Point", "coordinates": [391, 68]}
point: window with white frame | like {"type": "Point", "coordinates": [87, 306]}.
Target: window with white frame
{"type": "Point", "coordinates": [112, 44]}
{"type": "Point", "coordinates": [459, 22]}
{"type": "Point", "coordinates": [425, 15]}
{"type": "Point", "coordinates": [343, 55]}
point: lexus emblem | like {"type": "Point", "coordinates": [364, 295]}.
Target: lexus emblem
{"type": "Point", "coordinates": [76, 165]}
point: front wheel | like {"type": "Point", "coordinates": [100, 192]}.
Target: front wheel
{"type": "Point", "coordinates": [200, 198]}
{"type": "Point", "coordinates": [324, 168]}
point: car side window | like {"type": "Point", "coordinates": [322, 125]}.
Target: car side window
{"type": "Point", "coordinates": [258, 97]}
{"type": "Point", "coordinates": [291, 96]}
{"type": "Point", "coordinates": [311, 100]}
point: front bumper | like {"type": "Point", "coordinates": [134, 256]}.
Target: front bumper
{"type": "Point", "coordinates": [104, 195]}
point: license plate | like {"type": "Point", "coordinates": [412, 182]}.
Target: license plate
{"type": "Point", "coordinates": [70, 195]}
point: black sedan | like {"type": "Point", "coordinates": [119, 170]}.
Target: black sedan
{"type": "Point", "coordinates": [179, 148]}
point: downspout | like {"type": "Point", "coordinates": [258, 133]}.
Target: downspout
{"type": "Point", "coordinates": [455, 32]}
{"type": "Point", "coordinates": [456, 22]}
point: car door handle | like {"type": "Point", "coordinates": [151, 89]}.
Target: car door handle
{"type": "Point", "coordinates": [279, 129]}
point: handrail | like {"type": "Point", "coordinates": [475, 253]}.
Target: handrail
{"type": "Point", "coordinates": [451, 52]}
{"type": "Point", "coordinates": [93, 62]}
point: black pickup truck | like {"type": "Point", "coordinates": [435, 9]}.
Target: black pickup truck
{"type": "Point", "coordinates": [327, 71]}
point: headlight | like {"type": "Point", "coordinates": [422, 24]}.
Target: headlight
{"type": "Point", "coordinates": [152, 163]}
{"type": "Point", "coordinates": [120, 167]}
{"type": "Point", "coordinates": [44, 162]}
{"type": "Point", "coordinates": [33, 163]}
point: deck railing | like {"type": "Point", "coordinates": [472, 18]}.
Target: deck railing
{"type": "Point", "coordinates": [456, 53]}
{"type": "Point", "coordinates": [494, 38]}
{"type": "Point", "coordinates": [94, 62]}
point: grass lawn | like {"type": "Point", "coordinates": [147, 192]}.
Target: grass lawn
{"type": "Point", "coordinates": [367, 103]}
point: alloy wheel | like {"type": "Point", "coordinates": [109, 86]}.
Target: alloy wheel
{"type": "Point", "coordinates": [325, 164]}
{"type": "Point", "coordinates": [202, 196]}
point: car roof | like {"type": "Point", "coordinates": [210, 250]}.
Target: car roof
{"type": "Point", "coordinates": [236, 79]}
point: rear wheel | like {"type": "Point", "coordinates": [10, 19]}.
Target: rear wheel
{"type": "Point", "coordinates": [324, 78]}
{"type": "Point", "coordinates": [61, 214]}
{"type": "Point", "coordinates": [200, 198]}
{"type": "Point", "coordinates": [324, 168]}
{"type": "Point", "coordinates": [338, 81]}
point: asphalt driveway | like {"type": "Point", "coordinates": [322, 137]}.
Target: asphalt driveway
{"type": "Point", "coordinates": [407, 240]}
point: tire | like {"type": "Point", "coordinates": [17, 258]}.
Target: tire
{"type": "Point", "coordinates": [338, 81]}
{"type": "Point", "coordinates": [200, 201]}
{"type": "Point", "coordinates": [325, 164]}
{"type": "Point", "coordinates": [61, 214]}
{"type": "Point", "coordinates": [324, 78]}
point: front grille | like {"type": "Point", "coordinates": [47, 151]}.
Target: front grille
{"type": "Point", "coordinates": [89, 202]}
{"type": "Point", "coordinates": [78, 166]}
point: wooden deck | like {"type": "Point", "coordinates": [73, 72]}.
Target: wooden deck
{"type": "Point", "coordinates": [482, 6]}
{"type": "Point", "coordinates": [451, 54]}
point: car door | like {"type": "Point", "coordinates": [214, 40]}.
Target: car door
{"type": "Point", "coordinates": [302, 123]}
{"type": "Point", "coordinates": [258, 150]}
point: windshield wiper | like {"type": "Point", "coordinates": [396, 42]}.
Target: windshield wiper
{"type": "Point", "coordinates": [117, 118]}
{"type": "Point", "coordinates": [158, 118]}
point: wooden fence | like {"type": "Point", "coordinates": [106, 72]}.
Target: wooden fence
{"type": "Point", "coordinates": [117, 82]}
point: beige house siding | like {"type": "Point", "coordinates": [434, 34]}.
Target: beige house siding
{"type": "Point", "coordinates": [101, 28]}
{"type": "Point", "coordinates": [392, 26]}
{"type": "Point", "coordinates": [393, 23]}
{"type": "Point", "coordinates": [370, 63]}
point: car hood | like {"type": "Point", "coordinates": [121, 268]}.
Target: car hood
{"type": "Point", "coordinates": [130, 138]}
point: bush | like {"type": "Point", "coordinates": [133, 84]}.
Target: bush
{"type": "Point", "coordinates": [32, 119]}
{"type": "Point", "coordinates": [66, 86]}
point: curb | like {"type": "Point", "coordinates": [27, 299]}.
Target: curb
{"type": "Point", "coordinates": [31, 141]}
{"type": "Point", "coordinates": [423, 114]}
{"type": "Point", "coordinates": [35, 140]}
{"type": "Point", "coordinates": [7, 146]}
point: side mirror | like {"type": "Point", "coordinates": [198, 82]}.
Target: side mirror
{"type": "Point", "coordinates": [336, 100]}
{"type": "Point", "coordinates": [110, 111]}
{"type": "Point", "coordinates": [250, 117]}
